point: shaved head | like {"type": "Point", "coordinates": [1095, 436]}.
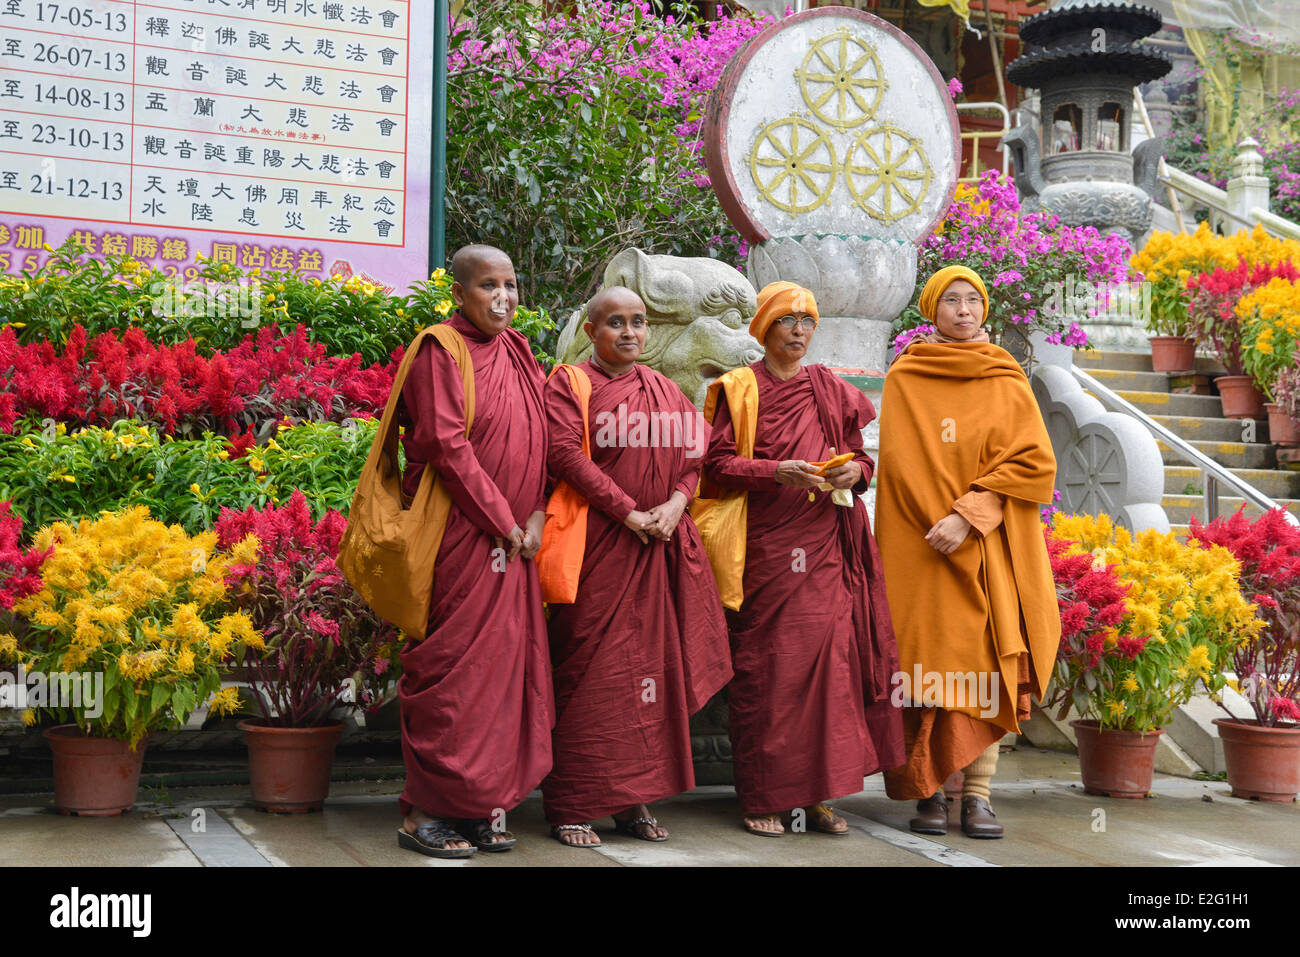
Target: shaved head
{"type": "Point", "coordinates": [613, 299]}
{"type": "Point", "coordinates": [467, 260]}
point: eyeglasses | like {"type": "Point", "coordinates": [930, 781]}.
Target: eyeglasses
{"type": "Point", "coordinates": [975, 302]}
{"type": "Point", "coordinates": [789, 322]}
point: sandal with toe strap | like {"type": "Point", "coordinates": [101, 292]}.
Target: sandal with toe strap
{"type": "Point", "coordinates": [639, 828]}
{"type": "Point", "coordinates": [759, 831]}
{"type": "Point", "coordinates": [557, 832]}
{"type": "Point", "coordinates": [480, 833]}
{"type": "Point", "coordinates": [431, 838]}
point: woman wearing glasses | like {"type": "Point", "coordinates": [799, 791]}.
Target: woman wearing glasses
{"type": "Point", "coordinates": [811, 643]}
{"type": "Point", "coordinates": [965, 462]}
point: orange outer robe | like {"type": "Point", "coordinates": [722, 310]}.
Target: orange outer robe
{"type": "Point", "coordinates": [960, 417]}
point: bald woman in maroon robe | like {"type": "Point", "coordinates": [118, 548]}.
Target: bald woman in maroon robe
{"type": "Point", "coordinates": [812, 645]}
{"type": "Point", "coordinates": [644, 645]}
{"type": "Point", "coordinates": [475, 694]}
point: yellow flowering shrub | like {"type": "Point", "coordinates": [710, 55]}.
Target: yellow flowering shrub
{"type": "Point", "coordinates": [1184, 617]}
{"type": "Point", "coordinates": [142, 603]}
{"type": "Point", "coordinates": [1270, 328]}
{"type": "Point", "coordinates": [1169, 260]}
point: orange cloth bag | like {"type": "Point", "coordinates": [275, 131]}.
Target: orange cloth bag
{"type": "Point", "coordinates": [722, 515]}
{"type": "Point", "coordinates": [564, 536]}
{"type": "Point", "coordinates": [390, 545]}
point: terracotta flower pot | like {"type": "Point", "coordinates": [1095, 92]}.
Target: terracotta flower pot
{"type": "Point", "coordinates": [1240, 398]}
{"type": "Point", "coordinates": [289, 768]}
{"type": "Point", "coordinates": [1263, 763]}
{"type": "Point", "coordinates": [1172, 353]}
{"type": "Point", "coordinates": [93, 777]}
{"type": "Point", "coordinates": [1281, 430]}
{"type": "Point", "coordinates": [1116, 764]}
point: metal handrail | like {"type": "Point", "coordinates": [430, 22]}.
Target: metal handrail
{"type": "Point", "coordinates": [978, 135]}
{"type": "Point", "coordinates": [1212, 473]}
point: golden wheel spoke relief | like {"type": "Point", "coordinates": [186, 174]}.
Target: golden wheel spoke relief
{"type": "Point", "coordinates": [836, 72]}
{"type": "Point", "coordinates": [876, 181]}
{"type": "Point", "coordinates": [803, 174]}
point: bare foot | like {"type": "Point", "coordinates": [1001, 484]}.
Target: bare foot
{"type": "Point", "coordinates": [647, 832]}
{"type": "Point", "coordinates": [418, 817]}
{"type": "Point", "coordinates": [575, 835]}
{"type": "Point", "coordinates": [764, 823]}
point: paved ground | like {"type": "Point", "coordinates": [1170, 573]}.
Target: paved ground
{"type": "Point", "coordinates": [1049, 821]}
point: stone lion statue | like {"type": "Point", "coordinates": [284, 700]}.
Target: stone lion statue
{"type": "Point", "coordinates": [699, 311]}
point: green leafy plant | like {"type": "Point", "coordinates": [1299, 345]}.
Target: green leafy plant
{"type": "Point", "coordinates": [67, 475]}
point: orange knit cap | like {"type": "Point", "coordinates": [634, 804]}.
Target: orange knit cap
{"type": "Point", "coordinates": [941, 280]}
{"type": "Point", "coordinates": [778, 299]}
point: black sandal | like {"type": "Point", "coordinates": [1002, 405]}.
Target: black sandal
{"type": "Point", "coordinates": [431, 838]}
{"type": "Point", "coordinates": [636, 827]}
{"type": "Point", "coordinates": [479, 832]}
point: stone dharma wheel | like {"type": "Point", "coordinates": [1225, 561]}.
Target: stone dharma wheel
{"type": "Point", "coordinates": [832, 122]}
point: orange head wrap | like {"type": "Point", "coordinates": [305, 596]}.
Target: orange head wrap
{"type": "Point", "coordinates": [941, 280]}
{"type": "Point", "coordinates": [778, 299]}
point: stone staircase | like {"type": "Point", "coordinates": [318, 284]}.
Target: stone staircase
{"type": "Point", "coordinates": [1241, 446]}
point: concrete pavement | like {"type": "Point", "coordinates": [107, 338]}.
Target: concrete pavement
{"type": "Point", "coordinates": [1037, 795]}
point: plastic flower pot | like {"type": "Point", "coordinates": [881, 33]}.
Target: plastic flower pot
{"type": "Point", "coordinates": [289, 768]}
{"type": "Point", "coordinates": [93, 777]}
{"type": "Point", "coordinates": [1281, 429]}
{"type": "Point", "coordinates": [1172, 353]}
{"type": "Point", "coordinates": [1240, 398]}
{"type": "Point", "coordinates": [1117, 764]}
{"type": "Point", "coordinates": [1263, 763]}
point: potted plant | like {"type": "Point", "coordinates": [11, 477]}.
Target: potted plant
{"type": "Point", "coordinates": [325, 650]}
{"type": "Point", "coordinates": [1169, 260]}
{"type": "Point", "coordinates": [1284, 410]}
{"type": "Point", "coordinates": [1270, 322]}
{"type": "Point", "coordinates": [1263, 753]}
{"type": "Point", "coordinates": [133, 613]}
{"type": "Point", "coordinates": [1183, 614]}
{"type": "Point", "coordinates": [1212, 318]}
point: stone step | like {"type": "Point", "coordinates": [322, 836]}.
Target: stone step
{"type": "Point", "coordinates": [1135, 361]}
{"type": "Point", "coordinates": [1119, 380]}
{"type": "Point", "coordinates": [1182, 508]}
{"type": "Point", "coordinates": [1275, 483]}
{"type": "Point", "coordinates": [1169, 403]}
{"type": "Point", "coordinates": [1234, 455]}
{"type": "Point", "coordinates": [1199, 429]}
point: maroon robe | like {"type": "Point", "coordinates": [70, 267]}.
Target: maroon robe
{"type": "Point", "coordinates": [644, 612]}
{"type": "Point", "coordinates": [812, 645]}
{"type": "Point", "coordinates": [476, 692]}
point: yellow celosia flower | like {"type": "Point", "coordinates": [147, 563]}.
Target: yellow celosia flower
{"type": "Point", "coordinates": [185, 661]}
{"type": "Point", "coordinates": [8, 648]}
{"type": "Point", "coordinates": [246, 551]}
{"type": "Point", "coordinates": [29, 717]}
{"type": "Point", "coordinates": [1129, 683]}
{"type": "Point", "coordinates": [225, 701]}
{"type": "Point", "coordinates": [1116, 708]}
